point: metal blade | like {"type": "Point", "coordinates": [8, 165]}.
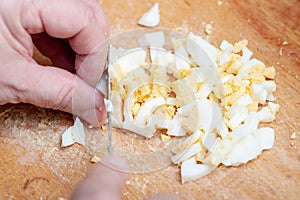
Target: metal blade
{"type": "Point", "coordinates": [109, 124]}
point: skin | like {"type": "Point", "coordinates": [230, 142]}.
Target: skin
{"type": "Point", "coordinates": [104, 181]}
{"type": "Point", "coordinates": [73, 34]}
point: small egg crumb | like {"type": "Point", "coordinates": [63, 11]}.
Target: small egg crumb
{"type": "Point", "coordinates": [208, 29]}
{"type": "Point", "coordinates": [95, 159]}
{"type": "Point", "coordinates": [280, 51]}
{"type": "Point", "coordinates": [293, 136]}
{"type": "Point", "coordinates": [285, 43]}
{"type": "Point", "coordinates": [165, 138]}
{"type": "Point", "coordinates": [293, 144]}
{"type": "Point", "coordinates": [269, 72]}
{"type": "Point", "coordinates": [238, 46]}
{"type": "Point", "coordinates": [219, 3]}
{"type": "Point", "coordinates": [128, 182]}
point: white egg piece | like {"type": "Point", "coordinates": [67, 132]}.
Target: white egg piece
{"type": "Point", "coordinates": [222, 129]}
{"type": "Point", "coordinates": [191, 171]}
{"type": "Point", "coordinates": [187, 142]}
{"type": "Point", "coordinates": [265, 137]}
{"type": "Point", "coordinates": [251, 63]}
{"type": "Point", "coordinates": [270, 86]}
{"type": "Point", "coordinates": [181, 52]}
{"type": "Point", "coordinates": [246, 55]}
{"type": "Point", "coordinates": [151, 18]}
{"type": "Point", "coordinates": [203, 53]}
{"type": "Point", "coordinates": [187, 153]}
{"type": "Point", "coordinates": [219, 154]}
{"type": "Point", "coordinates": [68, 138]}
{"type": "Point", "coordinates": [117, 113]}
{"type": "Point", "coordinates": [108, 104]}
{"type": "Point", "coordinates": [173, 126]}
{"type": "Point", "coordinates": [130, 60]}
{"type": "Point", "coordinates": [265, 115]}
{"type": "Point", "coordinates": [274, 108]}
{"type": "Point", "coordinates": [154, 39]}
{"type": "Point", "coordinates": [238, 116]}
{"type": "Point", "coordinates": [114, 53]}
{"type": "Point", "coordinates": [243, 74]}
{"type": "Point", "coordinates": [244, 151]}
{"type": "Point", "coordinates": [182, 63]}
{"type": "Point", "coordinates": [74, 134]}
{"type": "Point", "coordinates": [244, 130]}
{"type": "Point", "coordinates": [78, 132]}
{"type": "Point", "coordinates": [259, 93]}
{"type": "Point", "coordinates": [226, 45]}
{"type": "Point", "coordinates": [102, 85]}
{"type": "Point", "coordinates": [210, 115]}
{"type": "Point", "coordinates": [244, 100]}
{"type": "Point", "coordinates": [225, 56]}
{"type": "Point", "coordinates": [209, 140]}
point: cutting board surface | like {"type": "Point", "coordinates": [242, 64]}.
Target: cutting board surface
{"type": "Point", "coordinates": [33, 166]}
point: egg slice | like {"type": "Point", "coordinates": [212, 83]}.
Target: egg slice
{"type": "Point", "coordinates": [74, 134]}
{"type": "Point", "coordinates": [151, 18]}
{"type": "Point", "coordinates": [203, 53]}
{"type": "Point", "coordinates": [191, 171]}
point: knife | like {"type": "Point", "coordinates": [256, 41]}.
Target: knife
{"type": "Point", "coordinates": [109, 124]}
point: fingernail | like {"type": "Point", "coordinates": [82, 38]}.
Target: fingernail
{"type": "Point", "coordinates": [100, 107]}
{"type": "Point", "coordinates": [93, 117]}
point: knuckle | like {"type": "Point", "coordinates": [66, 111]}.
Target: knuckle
{"type": "Point", "coordinates": [63, 100]}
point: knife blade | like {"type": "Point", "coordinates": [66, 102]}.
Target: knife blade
{"type": "Point", "coordinates": [109, 124]}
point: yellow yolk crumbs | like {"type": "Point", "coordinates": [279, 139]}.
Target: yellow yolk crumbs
{"type": "Point", "coordinates": [151, 91]}
{"type": "Point", "coordinates": [185, 72]}
{"type": "Point", "coordinates": [238, 46]}
{"type": "Point", "coordinates": [269, 72]}
{"type": "Point", "coordinates": [230, 67]}
{"type": "Point", "coordinates": [235, 87]}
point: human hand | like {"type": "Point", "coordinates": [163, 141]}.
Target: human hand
{"type": "Point", "coordinates": [72, 33]}
{"type": "Point", "coordinates": [104, 181]}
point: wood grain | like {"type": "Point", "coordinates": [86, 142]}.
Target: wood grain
{"type": "Point", "coordinates": [30, 136]}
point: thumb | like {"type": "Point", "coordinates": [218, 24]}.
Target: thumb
{"type": "Point", "coordinates": [104, 181]}
{"type": "Point", "coordinates": [51, 87]}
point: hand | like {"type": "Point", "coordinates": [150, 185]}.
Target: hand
{"type": "Point", "coordinates": [104, 181]}
{"type": "Point", "coordinates": [72, 33]}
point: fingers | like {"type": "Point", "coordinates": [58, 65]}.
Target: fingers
{"type": "Point", "coordinates": [104, 181]}
{"type": "Point", "coordinates": [58, 50]}
{"type": "Point", "coordinates": [55, 88]}
{"type": "Point", "coordinates": [82, 22]}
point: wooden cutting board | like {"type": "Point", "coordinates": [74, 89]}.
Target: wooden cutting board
{"type": "Point", "coordinates": [32, 166]}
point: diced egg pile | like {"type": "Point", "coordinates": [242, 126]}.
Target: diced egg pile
{"type": "Point", "coordinates": [214, 98]}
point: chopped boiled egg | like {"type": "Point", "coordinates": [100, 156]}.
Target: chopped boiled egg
{"type": "Point", "coordinates": [214, 98]}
